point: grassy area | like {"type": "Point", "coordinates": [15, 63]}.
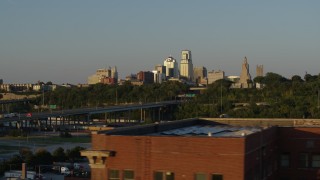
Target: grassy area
{"type": "Point", "coordinates": [13, 144]}
{"type": "Point", "coordinates": [5, 149]}
{"type": "Point", "coordinates": [47, 140]}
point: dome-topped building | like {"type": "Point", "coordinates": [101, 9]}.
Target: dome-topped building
{"type": "Point", "coordinates": [171, 67]}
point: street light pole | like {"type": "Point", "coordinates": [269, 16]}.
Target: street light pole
{"type": "Point", "coordinates": [116, 96]}
{"type": "Point", "coordinates": [221, 98]}
{"type": "Point", "coordinates": [318, 99]}
{"type": "Point", "coordinates": [42, 95]}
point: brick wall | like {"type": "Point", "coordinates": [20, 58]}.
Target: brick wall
{"type": "Point", "coordinates": [295, 141]}
{"type": "Point", "coordinates": [182, 155]}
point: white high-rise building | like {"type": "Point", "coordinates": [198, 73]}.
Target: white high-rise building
{"type": "Point", "coordinates": [171, 67]}
{"type": "Point", "coordinates": [186, 66]}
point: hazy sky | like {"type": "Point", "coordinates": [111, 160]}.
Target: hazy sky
{"type": "Point", "coordinates": [65, 41]}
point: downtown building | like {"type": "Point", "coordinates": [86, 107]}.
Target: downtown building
{"type": "Point", "coordinates": [146, 77]}
{"type": "Point", "coordinates": [186, 66]}
{"type": "Point", "coordinates": [200, 75]}
{"type": "Point", "coordinates": [213, 76]}
{"type": "Point", "coordinates": [245, 77]}
{"type": "Point", "coordinates": [105, 76]}
{"type": "Point", "coordinates": [171, 67]}
{"type": "Point", "coordinates": [208, 149]}
{"type": "Point", "coordinates": [159, 73]}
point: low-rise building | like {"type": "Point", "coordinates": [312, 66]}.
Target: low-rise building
{"type": "Point", "coordinates": [197, 149]}
{"type": "Point", "coordinates": [104, 75]}
{"type": "Point", "coordinates": [146, 77]}
{"type": "Point", "coordinates": [16, 87]}
{"type": "Point", "coordinates": [215, 75]}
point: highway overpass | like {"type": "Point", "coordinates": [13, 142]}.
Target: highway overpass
{"type": "Point", "coordinates": [44, 116]}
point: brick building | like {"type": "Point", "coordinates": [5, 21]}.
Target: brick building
{"type": "Point", "coordinates": [214, 149]}
{"type": "Point", "coordinates": [146, 77]}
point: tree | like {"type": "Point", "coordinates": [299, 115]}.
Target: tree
{"type": "Point", "coordinates": [42, 156]}
{"type": "Point", "coordinates": [259, 79]}
{"type": "Point", "coordinates": [59, 155]}
{"type": "Point", "coordinates": [74, 153]}
{"type": "Point", "coordinates": [296, 78]}
{"type": "Point", "coordinates": [28, 157]}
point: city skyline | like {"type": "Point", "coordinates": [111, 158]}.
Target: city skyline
{"type": "Point", "coordinates": [66, 41]}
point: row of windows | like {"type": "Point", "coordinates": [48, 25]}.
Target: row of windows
{"type": "Point", "coordinates": [305, 160]}
{"type": "Point", "coordinates": [114, 174]}
{"type": "Point", "coordinates": [200, 176]}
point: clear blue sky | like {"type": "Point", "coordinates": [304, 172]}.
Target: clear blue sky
{"type": "Point", "coordinates": [65, 41]}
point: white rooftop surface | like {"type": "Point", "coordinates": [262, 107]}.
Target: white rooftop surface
{"type": "Point", "coordinates": [210, 131]}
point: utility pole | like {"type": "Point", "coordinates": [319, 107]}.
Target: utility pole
{"type": "Point", "coordinates": [318, 99]}
{"type": "Point", "coordinates": [221, 97]}
{"type": "Point", "coordinates": [116, 96]}
{"type": "Point", "coordinates": [42, 95]}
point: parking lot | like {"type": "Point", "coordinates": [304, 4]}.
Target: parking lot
{"type": "Point", "coordinates": [51, 176]}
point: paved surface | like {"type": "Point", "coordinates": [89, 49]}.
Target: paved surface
{"type": "Point", "coordinates": [50, 176]}
{"type": "Point", "coordinates": [47, 176]}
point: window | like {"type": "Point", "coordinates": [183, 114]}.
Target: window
{"type": "Point", "coordinates": [128, 175]}
{"type": "Point", "coordinates": [158, 176]}
{"type": "Point", "coordinates": [114, 174]}
{"type": "Point", "coordinates": [162, 175]}
{"type": "Point", "coordinates": [200, 176]}
{"type": "Point", "coordinates": [303, 160]}
{"type": "Point", "coordinates": [310, 144]}
{"type": "Point", "coordinates": [316, 161]}
{"type": "Point", "coordinates": [169, 176]}
{"type": "Point", "coordinates": [285, 160]}
{"type": "Point", "coordinates": [217, 177]}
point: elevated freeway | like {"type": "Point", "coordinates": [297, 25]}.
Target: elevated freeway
{"type": "Point", "coordinates": [14, 101]}
{"type": "Point", "coordinates": [86, 111]}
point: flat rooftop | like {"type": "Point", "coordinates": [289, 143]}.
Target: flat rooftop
{"type": "Point", "coordinates": [209, 130]}
{"type": "Point", "coordinates": [186, 128]}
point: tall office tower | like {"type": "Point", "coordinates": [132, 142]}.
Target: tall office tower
{"type": "Point", "coordinates": [159, 73]}
{"type": "Point", "coordinates": [160, 69]}
{"type": "Point", "coordinates": [114, 72]}
{"type": "Point", "coordinates": [171, 67]}
{"type": "Point", "coordinates": [245, 74]}
{"type": "Point", "coordinates": [259, 70]}
{"type": "Point", "coordinates": [186, 66]}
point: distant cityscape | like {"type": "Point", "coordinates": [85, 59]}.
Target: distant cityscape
{"type": "Point", "coordinates": [168, 71]}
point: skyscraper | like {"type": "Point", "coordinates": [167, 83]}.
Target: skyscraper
{"type": "Point", "coordinates": [186, 66]}
{"type": "Point", "coordinates": [114, 72]}
{"type": "Point", "coordinates": [259, 70]}
{"type": "Point", "coordinates": [245, 76]}
{"type": "Point", "coordinates": [171, 67]}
